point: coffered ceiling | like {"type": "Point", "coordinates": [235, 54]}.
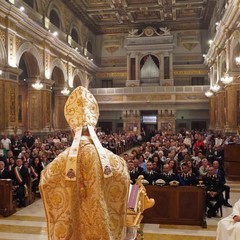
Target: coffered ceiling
{"type": "Point", "coordinates": [112, 16]}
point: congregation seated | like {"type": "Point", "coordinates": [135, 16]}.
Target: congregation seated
{"type": "Point", "coordinates": [149, 175]}
{"type": "Point", "coordinates": [166, 175]}
{"type": "Point", "coordinates": [214, 188]}
{"type": "Point", "coordinates": [187, 178]}
{"type": "Point", "coordinates": [4, 173]}
{"type": "Point", "coordinates": [20, 176]}
{"type": "Point", "coordinates": [226, 188]}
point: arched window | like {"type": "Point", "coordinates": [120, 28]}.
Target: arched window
{"type": "Point", "coordinates": [29, 3]}
{"type": "Point", "coordinates": [54, 18]}
{"type": "Point", "coordinates": [74, 35]}
{"type": "Point", "coordinates": [89, 47]}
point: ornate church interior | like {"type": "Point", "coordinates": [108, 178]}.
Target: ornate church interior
{"type": "Point", "coordinates": [172, 65]}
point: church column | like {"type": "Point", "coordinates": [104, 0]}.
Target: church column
{"type": "Point", "coordinates": [161, 74]}
{"type": "Point", "coordinates": [128, 67]}
{"type": "Point", "coordinates": [171, 65]}
{"type": "Point", "coordinates": [9, 101]}
{"type": "Point", "coordinates": [231, 112]}
{"type": "Point", "coordinates": [220, 110]}
{"type": "Point", "coordinates": [137, 67]}
{"type": "Point", "coordinates": [212, 113]}
{"type": "Point", "coordinates": [59, 122]}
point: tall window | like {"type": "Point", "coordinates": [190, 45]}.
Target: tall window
{"type": "Point", "coordinates": [54, 19]}
{"type": "Point", "coordinates": [74, 35]}
{"type": "Point", "coordinates": [89, 47]}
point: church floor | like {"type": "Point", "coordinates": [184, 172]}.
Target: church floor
{"type": "Point", "coordinates": [29, 224]}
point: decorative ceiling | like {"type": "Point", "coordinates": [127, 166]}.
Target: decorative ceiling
{"type": "Point", "coordinates": [113, 16]}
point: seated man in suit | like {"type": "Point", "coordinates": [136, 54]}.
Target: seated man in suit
{"type": "Point", "coordinates": [214, 188]}
{"type": "Point", "coordinates": [166, 175]}
{"type": "Point", "coordinates": [132, 173]}
{"type": "Point", "coordinates": [20, 176]}
{"type": "Point", "coordinates": [226, 188]}
{"type": "Point", "coordinates": [150, 175]}
{"type": "Point", "coordinates": [229, 227]}
{"type": "Point", "coordinates": [4, 174]}
{"type": "Point", "coordinates": [187, 178]}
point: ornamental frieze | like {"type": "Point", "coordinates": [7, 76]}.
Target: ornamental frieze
{"type": "Point", "coordinates": [149, 98]}
{"type": "Point", "coordinates": [190, 72]}
{"type": "Point", "coordinates": [109, 98]}
{"type": "Point", "coordinates": [190, 96]}
{"type": "Point", "coordinates": [111, 75]}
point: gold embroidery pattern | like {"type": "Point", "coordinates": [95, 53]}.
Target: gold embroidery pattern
{"type": "Point", "coordinates": [96, 215]}
{"type": "Point", "coordinates": [81, 108]}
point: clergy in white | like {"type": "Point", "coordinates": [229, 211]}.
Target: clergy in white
{"type": "Point", "coordinates": [229, 227]}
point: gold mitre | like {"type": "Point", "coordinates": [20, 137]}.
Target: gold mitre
{"type": "Point", "coordinates": [81, 110]}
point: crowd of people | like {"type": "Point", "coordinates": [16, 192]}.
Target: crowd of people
{"type": "Point", "coordinates": [188, 158]}
{"type": "Point", "coordinates": [23, 158]}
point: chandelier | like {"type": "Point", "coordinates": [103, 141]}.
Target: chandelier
{"type": "Point", "coordinates": [208, 93]}
{"type": "Point", "coordinates": [215, 88]}
{"type": "Point", "coordinates": [65, 91]}
{"type": "Point", "coordinates": [226, 79]}
{"type": "Point", "coordinates": [37, 85]}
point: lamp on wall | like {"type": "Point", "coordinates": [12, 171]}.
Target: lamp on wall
{"type": "Point", "coordinates": [226, 79]}
{"type": "Point", "coordinates": [237, 60]}
{"type": "Point", "coordinates": [208, 93]}
{"type": "Point", "coordinates": [37, 85]}
{"type": "Point", "coordinates": [65, 91]}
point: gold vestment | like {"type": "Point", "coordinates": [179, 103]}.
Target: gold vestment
{"type": "Point", "coordinates": [97, 214]}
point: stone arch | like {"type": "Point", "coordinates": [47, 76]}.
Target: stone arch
{"type": "Point", "coordinates": [54, 6]}
{"type": "Point", "coordinates": [58, 63]}
{"type": "Point", "coordinates": [3, 54]}
{"type": "Point", "coordinates": [32, 58]}
{"type": "Point", "coordinates": [77, 74]}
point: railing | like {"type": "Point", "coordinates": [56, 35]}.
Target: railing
{"type": "Point", "coordinates": [153, 89]}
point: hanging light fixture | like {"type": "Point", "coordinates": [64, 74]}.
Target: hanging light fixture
{"type": "Point", "coordinates": [65, 91]}
{"type": "Point", "coordinates": [215, 88]}
{"type": "Point", "coordinates": [226, 79]}
{"type": "Point", "coordinates": [208, 93]}
{"type": "Point", "coordinates": [37, 85]}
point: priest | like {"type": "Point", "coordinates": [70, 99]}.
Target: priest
{"type": "Point", "coordinates": [229, 227]}
{"type": "Point", "coordinates": [85, 189]}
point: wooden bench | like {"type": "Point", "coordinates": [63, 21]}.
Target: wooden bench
{"type": "Point", "coordinates": [7, 204]}
{"type": "Point", "coordinates": [183, 205]}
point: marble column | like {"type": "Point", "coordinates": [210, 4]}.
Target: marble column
{"type": "Point", "coordinates": [39, 112]}
{"type": "Point", "coordinates": [161, 59]}
{"type": "Point", "coordinates": [128, 67]}
{"type": "Point", "coordinates": [171, 65]}
{"type": "Point", "coordinates": [137, 66]}
{"type": "Point", "coordinates": [231, 108]}
{"type": "Point", "coordinates": [220, 111]}
{"type": "Point", "coordinates": [212, 113]}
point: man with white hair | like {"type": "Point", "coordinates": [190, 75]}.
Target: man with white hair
{"type": "Point", "coordinates": [229, 227]}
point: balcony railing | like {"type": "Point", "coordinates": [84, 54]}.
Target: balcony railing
{"type": "Point", "coordinates": [153, 89]}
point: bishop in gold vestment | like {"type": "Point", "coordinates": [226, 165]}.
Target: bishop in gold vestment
{"type": "Point", "coordinates": [85, 189]}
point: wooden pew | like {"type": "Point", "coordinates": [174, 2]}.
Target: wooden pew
{"type": "Point", "coordinates": [232, 162]}
{"type": "Point", "coordinates": [29, 199]}
{"type": "Point", "coordinates": [7, 204]}
{"type": "Point", "coordinates": [183, 205]}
